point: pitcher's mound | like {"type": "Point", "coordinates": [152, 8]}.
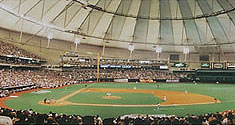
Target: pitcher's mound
{"type": "Point", "coordinates": [111, 97]}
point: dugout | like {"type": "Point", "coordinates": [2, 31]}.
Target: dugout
{"type": "Point", "coordinates": [221, 76]}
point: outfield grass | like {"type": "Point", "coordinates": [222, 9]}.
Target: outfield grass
{"type": "Point", "coordinates": [225, 93]}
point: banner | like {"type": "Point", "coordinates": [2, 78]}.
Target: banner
{"type": "Point", "coordinates": [218, 65]}
{"type": "Point", "coordinates": [120, 80]}
{"type": "Point", "coordinates": [231, 65]}
{"type": "Point", "coordinates": [205, 65]}
{"type": "Point", "coordinates": [172, 80]}
{"type": "Point", "coordinates": [146, 80]}
{"type": "Point", "coordinates": [179, 65]}
{"type": "Point", "coordinates": [163, 67]}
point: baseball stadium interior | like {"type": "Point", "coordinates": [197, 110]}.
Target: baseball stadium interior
{"type": "Point", "coordinates": [117, 62]}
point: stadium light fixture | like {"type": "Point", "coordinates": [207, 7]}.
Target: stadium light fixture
{"type": "Point", "coordinates": [158, 49]}
{"type": "Point", "coordinates": [77, 40]}
{"type": "Point", "coordinates": [186, 51]}
{"type": "Point", "coordinates": [131, 47]}
{"type": "Point", "coordinates": [50, 35]}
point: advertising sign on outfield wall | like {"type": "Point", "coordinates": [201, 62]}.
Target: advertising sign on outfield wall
{"type": "Point", "coordinates": [231, 65]}
{"type": "Point", "coordinates": [218, 65]}
{"type": "Point", "coordinates": [120, 80]}
{"type": "Point", "coordinates": [205, 65]}
{"type": "Point", "coordinates": [146, 80]}
{"type": "Point", "coordinates": [163, 67]}
{"type": "Point", "coordinates": [172, 80]}
{"type": "Point", "coordinates": [179, 65]}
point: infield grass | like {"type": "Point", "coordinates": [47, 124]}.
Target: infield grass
{"type": "Point", "coordinates": [126, 98]}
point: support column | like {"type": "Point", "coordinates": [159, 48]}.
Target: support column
{"type": "Point", "coordinates": [98, 68]}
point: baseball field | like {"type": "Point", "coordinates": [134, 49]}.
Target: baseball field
{"type": "Point", "coordinates": [115, 99]}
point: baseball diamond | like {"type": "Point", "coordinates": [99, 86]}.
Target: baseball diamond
{"type": "Point", "coordinates": [88, 99]}
{"type": "Point", "coordinates": [117, 62]}
{"type": "Point", "coordinates": [174, 98]}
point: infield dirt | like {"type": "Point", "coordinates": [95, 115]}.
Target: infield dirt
{"type": "Point", "coordinates": [173, 98]}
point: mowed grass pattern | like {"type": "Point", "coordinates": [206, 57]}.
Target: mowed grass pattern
{"type": "Point", "coordinates": [223, 92]}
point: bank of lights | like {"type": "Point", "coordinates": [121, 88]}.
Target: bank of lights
{"type": "Point", "coordinates": [131, 47]}
{"type": "Point", "coordinates": [186, 51]}
{"type": "Point", "coordinates": [77, 40]}
{"type": "Point", "coordinates": [50, 35]}
{"type": "Point", "coordinates": [158, 49]}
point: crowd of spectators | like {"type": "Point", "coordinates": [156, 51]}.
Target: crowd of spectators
{"type": "Point", "coordinates": [137, 74]}
{"type": "Point", "coordinates": [80, 61]}
{"type": "Point", "coordinates": [10, 78]}
{"type": "Point", "coordinates": [46, 78]}
{"type": "Point", "coordinates": [42, 78]}
{"type": "Point", "coordinates": [6, 92]}
{"type": "Point", "coordinates": [9, 49]}
{"type": "Point", "coordinates": [219, 118]}
{"type": "Point", "coordinates": [32, 117]}
{"type": "Point", "coordinates": [10, 61]}
{"type": "Point", "coordinates": [50, 79]}
{"type": "Point", "coordinates": [12, 55]}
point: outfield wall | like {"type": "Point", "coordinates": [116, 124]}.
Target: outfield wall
{"type": "Point", "coordinates": [133, 80]}
{"type": "Point", "coordinates": [220, 76]}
